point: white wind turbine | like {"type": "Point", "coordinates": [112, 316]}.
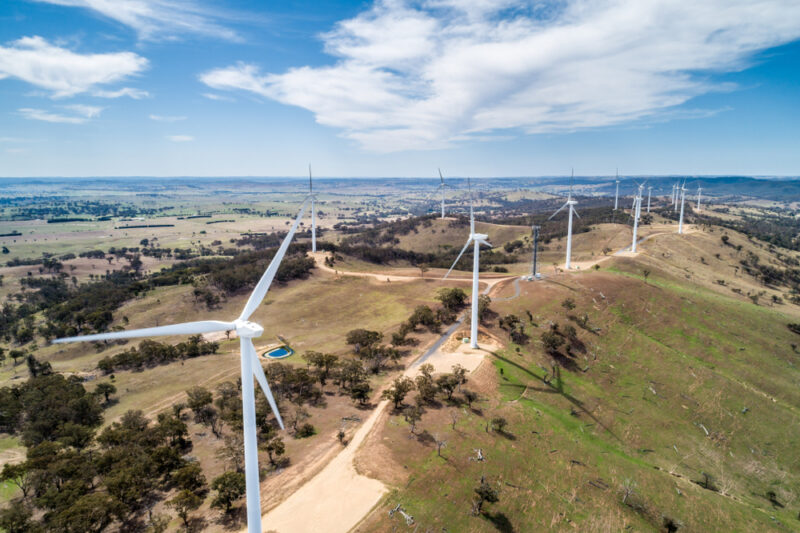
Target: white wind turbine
{"type": "Point", "coordinates": [250, 367]}
{"type": "Point", "coordinates": [476, 239]}
{"type": "Point", "coordinates": [636, 211]}
{"type": "Point", "coordinates": [649, 192]}
{"type": "Point", "coordinates": [312, 197]}
{"type": "Point", "coordinates": [699, 190]}
{"type": "Point", "coordinates": [571, 204]}
{"type": "Point", "coordinates": [676, 196]}
{"type": "Point", "coordinates": [683, 198]}
{"type": "Point", "coordinates": [442, 186]}
{"type": "Point", "coordinates": [616, 195]}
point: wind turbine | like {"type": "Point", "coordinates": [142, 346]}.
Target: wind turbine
{"type": "Point", "coordinates": [313, 212]}
{"type": "Point", "coordinates": [699, 189]}
{"type": "Point", "coordinates": [535, 250]}
{"type": "Point", "coordinates": [637, 210]}
{"type": "Point", "coordinates": [476, 239]}
{"type": "Point", "coordinates": [649, 192]}
{"type": "Point", "coordinates": [683, 197]}
{"type": "Point", "coordinates": [443, 186]}
{"type": "Point", "coordinates": [250, 367]}
{"type": "Point", "coordinates": [570, 203]}
{"type": "Point", "coordinates": [616, 195]}
{"type": "Point", "coordinates": [676, 196]}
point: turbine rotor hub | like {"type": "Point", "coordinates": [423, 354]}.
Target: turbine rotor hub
{"type": "Point", "coordinates": [247, 329]}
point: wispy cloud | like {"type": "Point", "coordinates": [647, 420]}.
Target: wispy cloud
{"type": "Point", "coordinates": [62, 71]}
{"type": "Point", "coordinates": [425, 75]}
{"type": "Point", "coordinates": [136, 94]}
{"type": "Point", "coordinates": [180, 138]}
{"type": "Point", "coordinates": [162, 118]}
{"type": "Point", "coordinates": [218, 97]}
{"type": "Point", "coordinates": [76, 114]}
{"type": "Point", "coordinates": [158, 19]}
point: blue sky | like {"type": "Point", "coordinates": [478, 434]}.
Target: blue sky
{"type": "Point", "coordinates": [397, 88]}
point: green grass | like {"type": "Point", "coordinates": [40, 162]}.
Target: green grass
{"type": "Point", "coordinates": [669, 361]}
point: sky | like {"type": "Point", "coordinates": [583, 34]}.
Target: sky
{"type": "Point", "coordinates": [399, 88]}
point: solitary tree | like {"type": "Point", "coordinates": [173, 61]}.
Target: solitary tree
{"type": "Point", "coordinates": [106, 389]}
{"type": "Point", "coordinates": [274, 448]}
{"type": "Point", "coordinates": [412, 415]}
{"type": "Point", "coordinates": [645, 274]}
{"type": "Point", "coordinates": [470, 397]}
{"type": "Point", "coordinates": [486, 493]}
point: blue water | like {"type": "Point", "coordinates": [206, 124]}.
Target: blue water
{"type": "Point", "coordinates": [277, 353]}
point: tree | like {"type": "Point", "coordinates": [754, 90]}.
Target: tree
{"type": "Point", "coordinates": [230, 486]}
{"type": "Point", "coordinates": [362, 339]}
{"type": "Point", "coordinates": [19, 474]}
{"type": "Point", "coordinates": [298, 416]}
{"type": "Point", "coordinates": [448, 383]}
{"type": "Point", "coordinates": [16, 354]}
{"type": "Point", "coordinates": [486, 493]}
{"type": "Point", "coordinates": [400, 387]}
{"type": "Point", "coordinates": [17, 518]}
{"type": "Point", "coordinates": [360, 392]}
{"type": "Point", "coordinates": [645, 274]}
{"type": "Point", "coordinates": [274, 448]}
{"type": "Point", "coordinates": [412, 415]}
{"type": "Point", "coordinates": [440, 443]}
{"type": "Point", "coordinates": [552, 341]}
{"type": "Point", "coordinates": [106, 389]}
{"type": "Point", "coordinates": [470, 397]}
{"type": "Point", "coordinates": [199, 397]}
{"type": "Point", "coordinates": [452, 299]}
{"type": "Point", "coordinates": [483, 306]}
{"type": "Point", "coordinates": [190, 477]}
{"type": "Point", "coordinates": [185, 502]}
{"type": "Point", "coordinates": [499, 424]}
{"type": "Point", "coordinates": [568, 304]}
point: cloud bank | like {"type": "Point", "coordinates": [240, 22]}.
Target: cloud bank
{"type": "Point", "coordinates": [426, 75]}
{"type": "Point", "coordinates": [76, 114]}
{"type": "Point", "coordinates": [66, 73]}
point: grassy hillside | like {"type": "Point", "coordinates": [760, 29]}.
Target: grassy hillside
{"type": "Point", "coordinates": [676, 382]}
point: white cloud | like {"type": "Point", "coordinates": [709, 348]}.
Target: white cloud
{"type": "Point", "coordinates": [157, 19]}
{"type": "Point", "coordinates": [77, 114]}
{"type": "Point", "coordinates": [136, 94]}
{"type": "Point", "coordinates": [62, 71]}
{"type": "Point", "coordinates": [218, 97]}
{"type": "Point", "coordinates": [180, 138]}
{"type": "Point", "coordinates": [161, 118]}
{"type": "Point", "coordinates": [422, 75]}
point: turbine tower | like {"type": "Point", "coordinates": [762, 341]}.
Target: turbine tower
{"type": "Point", "coordinates": [476, 239]}
{"type": "Point", "coordinates": [442, 186]}
{"type": "Point", "coordinates": [699, 190]}
{"type": "Point", "coordinates": [570, 203]}
{"type": "Point", "coordinates": [675, 196]}
{"type": "Point", "coordinates": [313, 212]}
{"type": "Point", "coordinates": [250, 367]}
{"type": "Point", "coordinates": [649, 192]}
{"type": "Point", "coordinates": [683, 198]}
{"type": "Point", "coordinates": [535, 250]}
{"type": "Point", "coordinates": [637, 210]}
{"type": "Point", "coordinates": [616, 195]}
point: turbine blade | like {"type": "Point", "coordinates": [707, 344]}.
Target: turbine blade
{"type": "Point", "coordinates": [266, 280]}
{"type": "Point", "coordinates": [440, 176]}
{"type": "Point", "coordinates": [485, 243]}
{"type": "Point", "coordinates": [575, 212]}
{"type": "Point", "coordinates": [248, 350]}
{"type": "Point", "coordinates": [187, 328]}
{"type": "Point", "coordinates": [464, 249]}
{"type": "Point", "coordinates": [558, 211]}
{"type": "Point", "coordinates": [310, 185]}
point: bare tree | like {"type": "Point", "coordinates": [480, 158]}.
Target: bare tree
{"type": "Point", "coordinates": [440, 443]}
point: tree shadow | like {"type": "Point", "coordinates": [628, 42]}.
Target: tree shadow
{"type": "Point", "coordinates": [197, 523]}
{"type": "Point", "coordinates": [500, 521]}
{"type": "Point", "coordinates": [425, 438]}
{"type": "Point", "coordinates": [234, 519]}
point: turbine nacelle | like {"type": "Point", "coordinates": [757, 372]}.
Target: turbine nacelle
{"type": "Point", "coordinates": [247, 329]}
